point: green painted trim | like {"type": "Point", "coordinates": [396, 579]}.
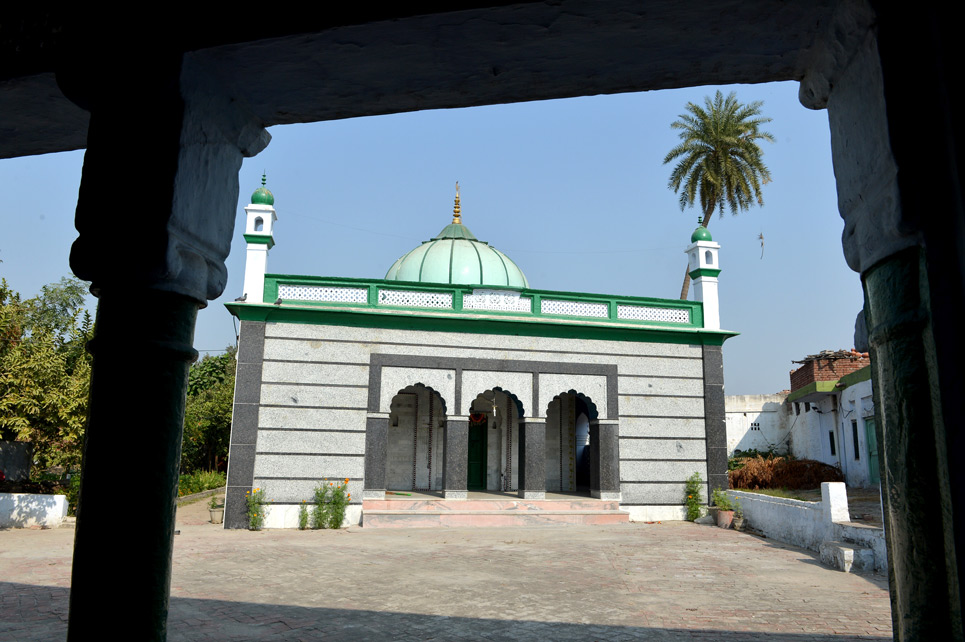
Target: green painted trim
{"type": "Point", "coordinates": [812, 388]}
{"type": "Point", "coordinates": [448, 322]}
{"type": "Point", "coordinates": [704, 272]}
{"type": "Point", "coordinates": [855, 377]}
{"type": "Point", "coordinates": [260, 239]}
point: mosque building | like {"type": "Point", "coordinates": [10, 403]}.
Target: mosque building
{"type": "Point", "coordinates": [453, 393]}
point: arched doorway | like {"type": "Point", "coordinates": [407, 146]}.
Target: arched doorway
{"type": "Point", "coordinates": [569, 448]}
{"type": "Point", "coordinates": [493, 452]}
{"type": "Point", "coordinates": [416, 440]}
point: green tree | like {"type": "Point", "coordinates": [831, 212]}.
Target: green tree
{"type": "Point", "coordinates": [45, 371]}
{"type": "Point", "coordinates": [207, 415]}
{"type": "Point", "coordinates": [718, 159]}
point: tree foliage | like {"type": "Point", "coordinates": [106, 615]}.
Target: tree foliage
{"type": "Point", "coordinates": [45, 371]}
{"type": "Point", "coordinates": [207, 416]}
{"type": "Point", "coordinates": [719, 161]}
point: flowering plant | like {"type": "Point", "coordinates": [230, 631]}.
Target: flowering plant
{"type": "Point", "coordinates": [331, 500]}
{"type": "Point", "coordinates": [692, 496]}
{"type": "Point", "coordinates": [255, 508]}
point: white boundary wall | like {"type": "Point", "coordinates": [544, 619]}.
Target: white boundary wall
{"type": "Point", "coordinates": [810, 524]}
{"type": "Point", "coordinates": [23, 510]}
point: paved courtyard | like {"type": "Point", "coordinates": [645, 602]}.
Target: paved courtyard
{"type": "Point", "coordinates": [671, 581]}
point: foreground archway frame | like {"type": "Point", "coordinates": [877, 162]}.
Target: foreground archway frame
{"type": "Point", "coordinates": [488, 53]}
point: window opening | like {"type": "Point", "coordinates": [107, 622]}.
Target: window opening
{"type": "Point", "coordinates": [854, 436]}
{"type": "Point", "coordinates": [831, 439]}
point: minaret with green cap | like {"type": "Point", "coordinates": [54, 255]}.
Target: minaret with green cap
{"type": "Point", "coordinates": [704, 264]}
{"type": "Point", "coordinates": [259, 232]}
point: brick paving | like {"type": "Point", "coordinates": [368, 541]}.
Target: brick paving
{"type": "Point", "coordinates": [672, 581]}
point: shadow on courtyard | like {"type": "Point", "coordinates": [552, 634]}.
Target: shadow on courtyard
{"type": "Point", "coordinates": [34, 612]}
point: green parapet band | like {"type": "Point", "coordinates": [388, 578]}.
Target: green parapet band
{"type": "Point", "coordinates": [704, 272]}
{"type": "Point", "coordinates": [811, 388]}
{"type": "Point", "coordinates": [367, 317]}
{"type": "Point", "coordinates": [261, 239]}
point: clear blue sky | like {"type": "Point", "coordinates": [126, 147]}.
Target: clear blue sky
{"type": "Point", "coordinates": [575, 191]}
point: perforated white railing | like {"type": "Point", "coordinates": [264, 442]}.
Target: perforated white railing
{"type": "Point", "coordinates": [574, 308]}
{"type": "Point", "coordinates": [415, 298]}
{"type": "Point", "coordinates": [497, 300]}
{"type": "Point", "coordinates": [323, 293]}
{"type": "Point", "coordinates": [647, 313]}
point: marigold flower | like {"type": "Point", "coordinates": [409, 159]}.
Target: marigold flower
{"type": "Point", "coordinates": [346, 480]}
{"type": "Point", "coordinates": [690, 496]}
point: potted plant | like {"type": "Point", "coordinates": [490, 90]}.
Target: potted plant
{"type": "Point", "coordinates": [725, 509]}
{"type": "Point", "coordinates": [738, 516]}
{"type": "Point", "coordinates": [216, 510]}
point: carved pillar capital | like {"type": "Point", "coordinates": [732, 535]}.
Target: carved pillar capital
{"type": "Point", "coordinates": [160, 182]}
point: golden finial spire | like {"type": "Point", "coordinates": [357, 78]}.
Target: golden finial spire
{"type": "Point", "coordinates": [456, 209]}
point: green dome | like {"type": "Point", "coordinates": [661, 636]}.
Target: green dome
{"type": "Point", "coordinates": [700, 234]}
{"type": "Point", "coordinates": [261, 195]}
{"type": "Point", "coordinates": [456, 256]}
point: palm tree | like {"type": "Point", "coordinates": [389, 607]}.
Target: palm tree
{"type": "Point", "coordinates": [719, 159]}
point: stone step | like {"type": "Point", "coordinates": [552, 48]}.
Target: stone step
{"type": "Point", "coordinates": [846, 556]}
{"type": "Point", "coordinates": [520, 505]}
{"type": "Point", "coordinates": [487, 518]}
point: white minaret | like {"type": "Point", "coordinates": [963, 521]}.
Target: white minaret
{"type": "Point", "coordinates": [259, 229]}
{"type": "Point", "coordinates": [704, 265]}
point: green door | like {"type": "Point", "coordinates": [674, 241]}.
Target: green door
{"type": "Point", "coordinates": [872, 440]}
{"type": "Point", "coordinates": [476, 473]}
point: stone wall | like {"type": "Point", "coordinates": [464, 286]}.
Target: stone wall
{"type": "Point", "coordinates": [315, 399]}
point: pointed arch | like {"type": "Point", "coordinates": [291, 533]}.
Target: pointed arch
{"type": "Point", "coordinates": [415, 448]}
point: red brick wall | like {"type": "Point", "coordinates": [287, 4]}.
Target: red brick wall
{"type": "Point", "coordinates": [825, 370]}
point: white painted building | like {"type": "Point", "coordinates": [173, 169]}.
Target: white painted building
{"type": "Point", "coordinates": [756, 422]}
{"type": "Point", "coordinates": [453, 376]}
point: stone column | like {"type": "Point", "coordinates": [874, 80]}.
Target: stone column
{"type": "Point", "coordinates": [244, 422]}
{"type": "Point", "coordinates": [165, 144]}
{"type": "Point", "coordinates": [605, 459]}
{"type": "Point", "coordinates": [456, 463]}
{"type": "Point", "coordinates": [376, 456]}
{"type": "Point", "coordinates": [715, 424]}
{"type": "Point", "coordinates": [900, 194]}
{"type": "Point", "coordinates": [532, 458]}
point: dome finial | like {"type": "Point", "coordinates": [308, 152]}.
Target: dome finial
{"type": "Point", "coordinates": [456, 209]}
{"type": "Point", "coordinates": [262, 195]}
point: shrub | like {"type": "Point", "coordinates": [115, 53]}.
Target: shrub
{"type": "Point", "coordinates": [320, 500]}
{"type": "Point", "coordinates": [338, 504]}
{"type": "Point", "coordinates": [255, 508]}
{"type": "Point", "coordinates": [73, 493]}
{"type": "Point", "coordinates": [302, 517]}
{"type": "Point", "coordinates": [330, 500]}
{"type": "Point", "coordinates": [692, 496]}
{"type": "Point", "coordinates": [200, 481]}
{"type": "Point", "coordinates": [783, 472]}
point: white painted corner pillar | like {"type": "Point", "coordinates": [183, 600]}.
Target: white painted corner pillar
{"type": "Point", "coordinates": [704, 265]}
{"type": "Point", "coordinates": [259, 234]}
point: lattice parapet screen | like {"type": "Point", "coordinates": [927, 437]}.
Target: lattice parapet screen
{"type": "Point", "coordinates": [497, 300]}
{"type": "Point", "coordinates": [323, 293]}
{"type": "Point", "coordinates": [646, 313]}
{"type": "Point", "coordinates": [573, 308]}
{"type": "Point", "coordinates": [416, 299]}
